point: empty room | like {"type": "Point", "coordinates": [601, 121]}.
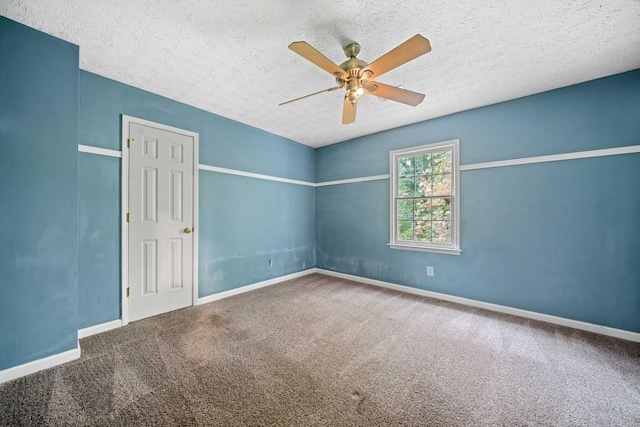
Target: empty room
{"type": "Point", "coordinates": [323, 213]}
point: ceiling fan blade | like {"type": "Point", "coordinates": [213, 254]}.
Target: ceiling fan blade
{"type": "Point", "coordinates": [411, 49]}
{"type": "Point", "coordinates": [312, 94]}
{"type": "Point", "coordinates": [349, 112]}
{"type": "Point", "coordinates": [394, 93]}
{"type": "Point", "coordinates": [309, 53]}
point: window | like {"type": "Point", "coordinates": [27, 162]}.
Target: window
{"type": "Point", "coordinates": [425, 194]}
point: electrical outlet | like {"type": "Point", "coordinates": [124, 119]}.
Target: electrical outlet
{"type": "Point", "coordinates": [270, 263]}
{"type": "Point", "coordinates": [429, 270]}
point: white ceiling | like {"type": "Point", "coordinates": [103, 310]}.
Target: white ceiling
{"type": "Point", "coordinates": [230, 57]}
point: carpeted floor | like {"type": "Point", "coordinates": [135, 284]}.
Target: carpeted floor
{"type": "Point", "coordinates": [320, 351]}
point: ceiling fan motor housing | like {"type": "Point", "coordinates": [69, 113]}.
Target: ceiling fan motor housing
{"type": "Point", "coordinates": [351, 51]}
{"type": "Point", "coordinates": [352, 67]}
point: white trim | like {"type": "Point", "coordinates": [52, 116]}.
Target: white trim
{"type": "Point", "coordinates": [554, 157]}
{"type": "Point", "coordinates": [98, 329]}
{"type": "Point", "coordinates": [575, 324]}
{"type": "Point", "coordinates": [512, 162]}
{"type": "Point", "coordinates": [156, 125]}
{"type": "Point", "coordinates": [352, 180]}
{"type": "Point", "coordinates": [500, 163]}
{"type": "Point", "coordinates": [196, 226]}
{"type": "Point", "coordinates": [119, 154]}
{"type": "Point", "coordinates": [254, 286]}
{"type": "Point", "coordinates": [124, 228]}
{"type": "Point", "coordinates": [448, 251]}
{"type": "Point", "coordinates": [39, 365]}
{"type": "Point", "coordinates": [126, 120]}
{"type": "Point", "coordinates": [454, 247]}
{"type": "Point", "coordinates": [254, 175]}
{"type": "Point", "coordinates": [97, 150]}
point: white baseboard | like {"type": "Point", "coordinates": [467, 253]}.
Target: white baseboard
{"type": "Point", "coordinates": [254, 286]}
{"type": "Point", "coordinates": [39, 365]}
{"type": "Point", "coordinates": [576, 324]}
{"type": "Point", "coordinates": [102, 327]}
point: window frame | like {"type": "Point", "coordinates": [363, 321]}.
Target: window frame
{"type": "Point", "coordinates": [452, 248]}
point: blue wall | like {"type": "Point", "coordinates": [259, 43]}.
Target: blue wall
{"type": "Point", "coordinates": [244, 222]}
{"type": "Point", "coordinates": [558, 238]}
{"type": "Point", "coordinates": [99, 239]}
{"type": "Point", "coordinates": [223, 142]}
{"type": "Point", "coordinates": [38, 182]}
{"type": "Point", "coordinates": [249, 222]}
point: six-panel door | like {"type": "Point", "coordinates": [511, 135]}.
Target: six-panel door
{"type": "Point", "coordinates": [161, 218]}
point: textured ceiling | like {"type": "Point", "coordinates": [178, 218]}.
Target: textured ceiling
{"type": "Point", "coordinates": [230, 57]}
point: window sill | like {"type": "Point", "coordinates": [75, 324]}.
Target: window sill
{"type": "Point", "coordinates": [449, 251]}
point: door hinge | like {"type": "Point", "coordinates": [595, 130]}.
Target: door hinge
{"type": "Point", "coordinates": [129, 141]}
{"type": "Point", "coordinates": [128, 292]}
{"type": "Point", "coordinates": [128, 217]}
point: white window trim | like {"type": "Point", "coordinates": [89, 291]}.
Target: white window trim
{"type": "Point", "coordinates": [454, 247]}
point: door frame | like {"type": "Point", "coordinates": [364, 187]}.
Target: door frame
{"type": "Point", "coordinates": [124, 225]}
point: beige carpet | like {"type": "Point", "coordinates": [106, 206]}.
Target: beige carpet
{"type": "Point", "coordinates": [319, 351]}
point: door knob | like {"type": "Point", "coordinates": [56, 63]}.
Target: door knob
{"type": "Point", "coordinates": [187, 230]}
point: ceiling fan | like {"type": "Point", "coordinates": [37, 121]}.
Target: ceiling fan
{"type": "Point", "coordinates": [357, 77]}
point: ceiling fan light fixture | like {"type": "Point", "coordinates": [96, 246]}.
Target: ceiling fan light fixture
{"type": "Point", "coordinates": [353, 96]}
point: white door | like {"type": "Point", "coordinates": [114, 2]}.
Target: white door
{"type": "Point", "coordinates": [160, 206]}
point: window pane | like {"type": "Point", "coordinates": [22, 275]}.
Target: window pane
{"type": "Point", "coordinates": [423, 231]}
{"type": "Point", "coordinates": [405, 209]}
{"type": "Point", "coordinates": [422, 164]}
{"type": "Point", "coordinates": [424, 183]}
{"type": "Point", "coordinates": [441, 208]}
{"type": "Point", "coordinates": [441, 162]}
{"type": "Point", "coordinates": [441, 231]}
{"type": "Point", "coordinates": [405, 230]}
{"type": "Point", "coordinates": [442, 184]}
{"type": "Point", "coordinates": [423, 209]}
{"type": "Point", "coordinates": [423, 193]}
{"type": "Point", "coordinates": [406, 166]}
{"type": "Point", "coordinates": [406, 187]}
